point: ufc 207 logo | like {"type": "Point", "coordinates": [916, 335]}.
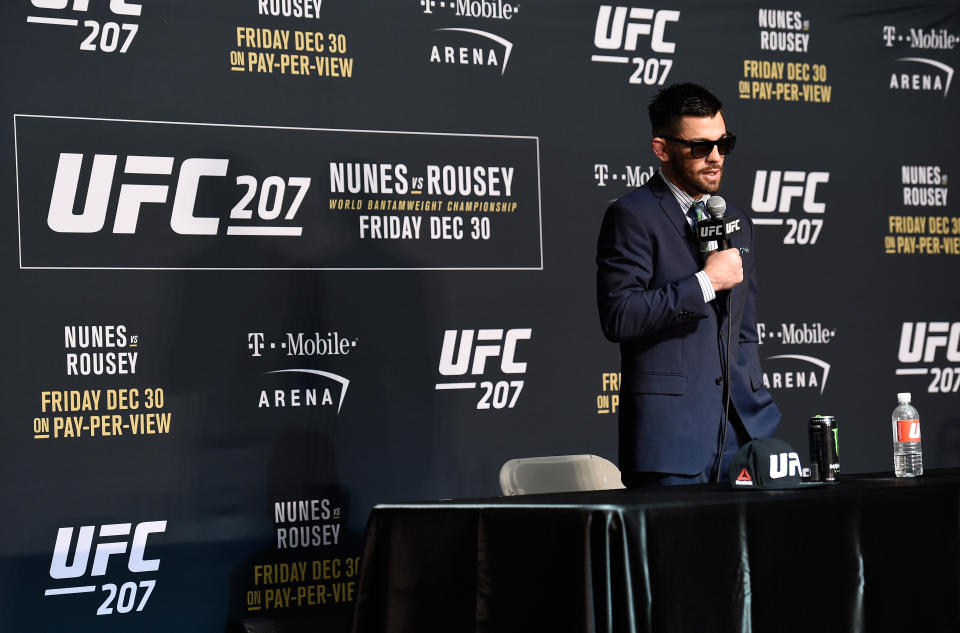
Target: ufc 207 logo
{"type": "Point", "coordinates": [106, 37]}
{"type": "Point", "coordinates": [72, 561]}
{"type": "Point", "coordinates": [275, 208]}
{"type": "Point", "coordinates": [619, 29]}
{"type": "Point", "coordinates": [931, 343]}
{"type": "Point", "coordinates": [471, 356]}
{"type": "Point", "coordinates": [776, 191]}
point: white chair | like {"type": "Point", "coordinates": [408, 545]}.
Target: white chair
{"type": "Point", "coordinates": [560, 473]}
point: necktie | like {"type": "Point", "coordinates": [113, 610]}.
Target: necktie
{"type": "Point", "coordinates": [698, 213]}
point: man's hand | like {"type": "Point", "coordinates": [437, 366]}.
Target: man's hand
{"type": "Point", "coordinates": [724, 269]}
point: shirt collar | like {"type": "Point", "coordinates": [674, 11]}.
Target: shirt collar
{"type": "Point", "coordinates": [684, 199]}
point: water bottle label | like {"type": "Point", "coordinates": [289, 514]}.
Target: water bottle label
{"type": "Point", "coordinates": [908, 430]}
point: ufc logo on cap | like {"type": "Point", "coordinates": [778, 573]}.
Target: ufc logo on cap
{"type": "Point", "coordinates": [784, 464]}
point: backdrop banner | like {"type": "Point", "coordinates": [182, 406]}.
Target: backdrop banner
{"type": "Point", "coordinates": [267, 263]}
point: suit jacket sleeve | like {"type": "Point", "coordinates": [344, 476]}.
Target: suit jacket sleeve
{"type": "Point", "coordinates": [749, 357]}
{"type": "Point", "coordinates": [632, 301]}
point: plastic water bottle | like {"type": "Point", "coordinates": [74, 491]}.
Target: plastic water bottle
{"type": "Point", "coordinates": [907, 451]}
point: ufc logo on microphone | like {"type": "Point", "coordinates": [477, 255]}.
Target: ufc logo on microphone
{"type": "Point", "coordinates": [63, 566]}
{"type": "Point", "coordinates": [488, 346]}
{"type": "Point", "coordinates": [775, 190]}
{"type": "Point", "coordinates": [711, 230]}
{"type": "Point", "coordinates": [616, 33]}
{"type": "Point", "coordinates": [717, 228]}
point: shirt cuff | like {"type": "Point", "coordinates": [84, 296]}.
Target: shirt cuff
{"type": "Point", "coordinates": [707, 287]}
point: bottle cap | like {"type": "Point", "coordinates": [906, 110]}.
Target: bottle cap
{"type": "Point", "coordinates": [903, 397]}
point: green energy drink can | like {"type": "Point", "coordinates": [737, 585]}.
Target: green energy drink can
{"type": "Point", "coordinates": [824, 448]}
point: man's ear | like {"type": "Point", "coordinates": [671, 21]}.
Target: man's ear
{"type": "Point", "coordinates": [659, 146]}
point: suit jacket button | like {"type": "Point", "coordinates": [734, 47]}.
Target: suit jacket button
{"type": "Point", "coordinates": [718, 380]}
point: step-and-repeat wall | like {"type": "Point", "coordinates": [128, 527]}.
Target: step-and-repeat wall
{"type": "Point", "coordinates": [267, 263]}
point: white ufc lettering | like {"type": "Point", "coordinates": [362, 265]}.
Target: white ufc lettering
{"type": "Point", "coordinates": [767, 194]}
{"type": "Point", "coordinates": [118, 7]}
{"type": "Point", "coordinates": [611, 35]}
{"type": "Point", "coordinates": [62, 219]}
{"type": "Point", "coordinates": [481, 352]}
{"type": "Point", "coordinates": [921, 340]}
{"type": "Point", "coordinates": [78, 567]}
{"type": "Point", "coordinates": [784, 462]}
{"type": "Point", "coordinates": [131, 196]}
{"type": "Point", "coordinates": [182, 220]}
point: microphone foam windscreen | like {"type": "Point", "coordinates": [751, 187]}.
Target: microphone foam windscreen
{"type": "Point", "coordinates": [716, 206]}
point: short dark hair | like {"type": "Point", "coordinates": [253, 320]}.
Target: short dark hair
{"type": "Point", "coordinates": [679, 100]}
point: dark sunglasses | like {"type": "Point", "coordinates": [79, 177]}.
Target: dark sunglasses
{"type": "Point", "coordinates": [702, 149]}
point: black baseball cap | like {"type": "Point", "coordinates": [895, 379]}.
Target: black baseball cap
{"type": "Point", "coordinates": [768, 464]}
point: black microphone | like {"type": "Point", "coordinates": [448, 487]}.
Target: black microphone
{"type": "Point", "coordinates": [717, 229]}
{"type": "Point", "coordinates": [720, 230]}
{"type": "Point", "coordinates": [716, 207]}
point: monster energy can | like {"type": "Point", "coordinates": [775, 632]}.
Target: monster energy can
{"type": "Point", "coordinates": [824, 448]}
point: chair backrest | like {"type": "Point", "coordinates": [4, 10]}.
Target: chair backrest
{"type": "Point", "coordinates": [560, 473]}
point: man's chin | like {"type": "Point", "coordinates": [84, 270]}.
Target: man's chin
{"type": "Point", "coordinates": [711, 187]}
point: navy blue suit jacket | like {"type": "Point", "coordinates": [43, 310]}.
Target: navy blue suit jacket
{"type": "Point", "coordinates": [672, 343]}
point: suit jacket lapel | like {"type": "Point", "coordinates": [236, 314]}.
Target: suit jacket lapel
{"type": "Point", "coordinates": [669, 206]}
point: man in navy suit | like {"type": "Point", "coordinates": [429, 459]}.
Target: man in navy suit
{"type": "Point", "coordinates": [664, 298]}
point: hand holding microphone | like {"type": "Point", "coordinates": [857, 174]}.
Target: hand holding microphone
{"type": "Point", "coordinates": [724, 269]}
{"type": "Point", "coordinates": [723, 266]}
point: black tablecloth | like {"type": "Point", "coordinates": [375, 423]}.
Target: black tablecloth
{"type": "Point", "coordinates": [871, 553]}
